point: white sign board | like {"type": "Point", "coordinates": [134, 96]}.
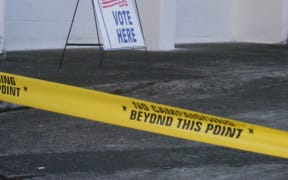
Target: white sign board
{"type": "Point", "coordinates": [119, 24]}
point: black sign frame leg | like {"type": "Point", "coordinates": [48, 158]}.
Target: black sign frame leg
{"type": "Point", "coordinates": [99, 44]}
{"type": "Point", "coordinates": [141, 27]}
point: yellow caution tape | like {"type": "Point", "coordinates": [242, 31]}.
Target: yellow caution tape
{"type": "Point", "coordinates": [142, 115]}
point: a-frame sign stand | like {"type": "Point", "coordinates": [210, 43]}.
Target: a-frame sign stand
{"type": "Point", "coordinates": [99, 44]}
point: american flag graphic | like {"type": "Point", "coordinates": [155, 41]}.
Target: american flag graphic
{"type": "Point", "coordinates": [111, 3]}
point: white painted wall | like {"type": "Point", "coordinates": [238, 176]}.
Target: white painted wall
{"type": "Point", "coordinates": [167, 25]}
{"type": "Point", "coordinates": [158, 20]}
{"type": "Point", "coordinates": [203, 21]}
{"type": "Point", "coordinates": [258, 21]}
{"type": "Point", "coordinates": [2, 5]}
{"type": "Point", "coordinates": [42, 24]}
{"type": "Point", "coordinates": [150, 19]}
{"type": "Point", "coordinates": [285, 21]}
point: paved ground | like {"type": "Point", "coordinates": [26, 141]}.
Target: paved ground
{"type": "Point", "coordinates": [240, 81]}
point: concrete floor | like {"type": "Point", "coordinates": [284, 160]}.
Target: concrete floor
{"type": "Point", "coordinates": [247, 82]}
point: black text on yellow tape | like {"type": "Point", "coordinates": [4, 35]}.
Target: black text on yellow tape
{"type": "Point", "coordinates": [8, 86]}
{"type": "Point", "coordinates": [142, 115]}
